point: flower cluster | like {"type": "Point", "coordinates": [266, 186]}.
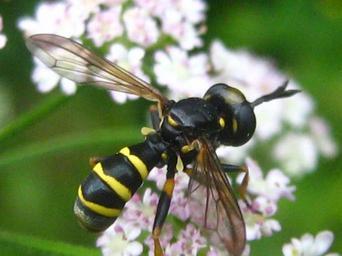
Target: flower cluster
{"type": "Point", "coordinates": [3, 38]}
{"type": "Point", "coordinates": [141, 24]}
{"type": "Point", "coordinates": [308, 245]}
{"type": "Point", "coordinates": [131, 33]}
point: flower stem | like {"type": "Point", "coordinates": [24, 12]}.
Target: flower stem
{"type": "Point", "coordinates": [33, 116]}
{"type": "Point", "coordinates": [68, 143]}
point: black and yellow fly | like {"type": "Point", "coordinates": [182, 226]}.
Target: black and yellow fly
{"type": "Point", "coordinates": [185, 135]}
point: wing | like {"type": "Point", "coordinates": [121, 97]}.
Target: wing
{"type": "Point", "coordinates": [71, 60]}
{"type": "Point", "coordinates": [221, 213]}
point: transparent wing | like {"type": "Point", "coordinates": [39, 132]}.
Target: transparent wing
{"type": "Point", "coordinates": [71, 60]}
{"type": "Point", "coordinates": [210, 190]}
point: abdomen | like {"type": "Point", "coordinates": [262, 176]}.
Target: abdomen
{"type": "Point", "coordinates": [112, 182]}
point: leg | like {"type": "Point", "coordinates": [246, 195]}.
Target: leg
{"type": "Point", "coordinates": [94, 160]}
{"type": "Point", "coordinates": [243, 187]}
{"type": "Point", "coordinates": [163, 206]}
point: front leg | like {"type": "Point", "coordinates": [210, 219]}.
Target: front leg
{"type": "Point", "coordinates": [237, 168]}
{"type": "Point", "coordinates": [164, 205]}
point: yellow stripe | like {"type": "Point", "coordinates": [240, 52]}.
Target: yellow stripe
{"type": "Point", "coordinates": [136, 161]}
{"type": "Point", "coordinates": [113, 183]}
{"type": "Point", "coordinates": [99, 209]}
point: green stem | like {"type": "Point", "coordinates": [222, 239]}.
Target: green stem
{"type": "Point", "coordinates": [68, 143]}
{"type": "Point", "coordinates": [33, 116]}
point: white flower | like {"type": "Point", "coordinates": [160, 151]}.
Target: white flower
{"type": "Point", "coordinates": [46, 79]}
{"type": "Point", "coordinates": [141, 28]}
{"type": "Point", "coordinates": [273, 187]}
{"type": "Point", "coordinates": [298, 108]}
{"type": "Point", "coordinates": [308, 245]}
{"type": "Point", "coordinates": [154, 7]}
{"type": "Point", "coordinates": [321, 134]}
{"type": "Point", "coordinates": [105, 26]}
{"type": "Point", "coordinates": [86, 7]}
{"type": "Point", "coordinates": [54, 18]}
{"type": "Point", "coordinates": [183, 32]}
{"type": "Point", "coordinates": [297, 153]}
{"type": "Point", "coordinates": [3, 38]}
{"type": "Point", "coordinates": [235, 155]}
{"type": "Point", "coordinates": [185, 76]}
{"type": "Point", "coordinates": [120, 240]}
{"type": "Point", "coordinates": [132, 61]}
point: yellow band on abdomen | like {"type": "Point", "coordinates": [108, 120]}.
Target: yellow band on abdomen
{"type": "Point", "coordinates": [113, 183]}
{"type": "Point", "coordinates": [136, 161]}
{"type": "Point", "coordinates": [99, 209]}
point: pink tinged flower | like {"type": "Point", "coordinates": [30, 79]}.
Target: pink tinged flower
{"type": "Point", "coordinates": [321, 135]}
{"type": "Point", "coordinates": [273, 187]}
{"type": "Point", "coordinates": [158, 175]}
{"type": "Point", "coordinates": [131, 60]}
{"type": "Point", "coordinates": [139, 211]}
{"type": "Point", "coordinates": [184, 75]}
{"type": "Point", "coordinates": [120, 239]}
{"type": "Point", "coordinates": [140, 26]}
{"type": "Point", "coordinates": [54, 18]}
{"type": "Point", "coordinates": [258, 221]}
{"type": "Point", "coordinates": [3, 38]}
{"type": "Point", "coordinates": [46, 79]}
{"type": "Point", "coordinates": [190, 240]}
{"type": "Point", "coordinates": [308, 245]}
{"type": "Point", "coordinates": [297, 153]}
{"type": "Point", "coordinates": [105, 25]}
{"type": "Point", "coordinates": [180, 201]}
{"type": "Point", "coordinates": [166, 236]}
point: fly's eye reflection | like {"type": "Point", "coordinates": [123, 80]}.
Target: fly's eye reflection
{"type": "Point", "coordinates": [114, 179]}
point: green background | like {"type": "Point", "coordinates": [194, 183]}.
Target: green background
{"type": "Point", "coordinates": [42, 165]}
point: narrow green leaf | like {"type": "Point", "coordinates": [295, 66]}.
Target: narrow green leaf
{"type": "Point", "coordinates": [33, 116]}
{"type": "Point", "coordinates": [69, 143]}
{"type": "Point", "coordinates": [17, 244]}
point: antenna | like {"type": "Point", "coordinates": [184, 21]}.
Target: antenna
{"type": "Point", "coordinates": [280, 92]}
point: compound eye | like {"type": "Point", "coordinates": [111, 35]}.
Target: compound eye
{"type": "Point", "coordinates": [225, 93]}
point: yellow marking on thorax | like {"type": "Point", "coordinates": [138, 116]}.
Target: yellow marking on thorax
{"type": "Point", "coordinates": [235, 125]}
{"type": "Point", "coordinates": [113, 183]}
{"type": "Point", "coordinates": [99, 209]}
{"type": "Point", "coordinates": [172, 121]}
{"type": "Point", "coordinates": [168, 187]}
{"type": "Point", "coordinates": [136, 161]}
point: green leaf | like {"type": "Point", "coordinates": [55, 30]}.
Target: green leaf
{"type": "Point", "coordinates": [68, 143]}
{"type": "Point", "coordinates": [33, 116]}
{"type": "Point", "coordinates": [16, 244]}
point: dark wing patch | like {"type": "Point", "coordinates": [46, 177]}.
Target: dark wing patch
{"type": "Point", "coordinates": [209, 186]}
{"type": "Point", "coordinates": [73, 61]}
